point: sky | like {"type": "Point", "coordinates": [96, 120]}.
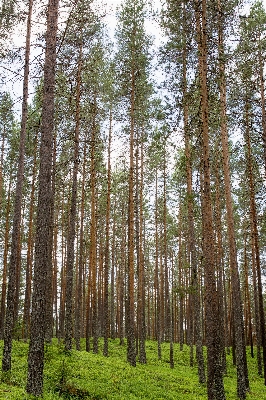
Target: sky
{"type": "Point", "coordinates": [152, 28]}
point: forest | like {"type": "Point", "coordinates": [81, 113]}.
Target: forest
{"type": "Point", "coordinates": [132, 192]}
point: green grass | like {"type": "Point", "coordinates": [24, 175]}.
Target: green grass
{"type": "Point", "coordinates": [82, 375]}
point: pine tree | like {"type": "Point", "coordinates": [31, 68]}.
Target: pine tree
{"type": "Point", "coordinates": [36, 349]}
{"type": "Point", "coordinates": [15, 254]}
{"type": "Point", "coordinates": [215, 386]}
{"type": "Point", "coordinates": [132, 64]}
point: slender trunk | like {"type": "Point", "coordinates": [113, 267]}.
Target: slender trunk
{"type": "Point", "coordinates": [122, 277]}
{"type": "Point", "coordinates": [256, 308]}
{"type": "Point", "coordinates": [63, 271]}
{"type": "Point", "coordinates": [131, 348]}
{"type": "Point", "coordinates": [180, 285]}
{"type": "Point", "coordinates": [88, 311]}
{"type": "Point", "coordinates": [15, 255]}
{"type": "Point", "coordinates": [79, 283]}
{"type": "Point", "coordinates": [30, 244]}
{"type": "Point", "coordinates": [191, 232]}
{"type": "Point", "coordinates": [107, 242]}
{"type": "Point", "coordinates": [73, 214]}
{"type": "Point", "coordinates": [255, 237]}
{"type": "Point", "coordinates": [241, 363]}
{"type": "Point", "coordinates": [167, 312]}
{"type": "Point", "coordinates": [112, 291]}
{"type": "Point", "coordinates": [49, 279]}
{"type": "Point", "coordinates": [137, 239]}
{"type": "Point", "coordinates": [249, 335]}
{"type": "Point", "coordinates": [219, 263]}
{"type": "Point", "coordinates": [5, 257]}
{"type": "Point", "coordinates": [156, 277]}
{"type": "Point", "coordinates": [55, 274]}
{"type": "Point", "coordinates": [142, 322]}
{"type": "Point", "coordinates": [93, 249]}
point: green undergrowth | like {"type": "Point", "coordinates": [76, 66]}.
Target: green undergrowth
{"type": "Point", "coordinates": [81, 375]}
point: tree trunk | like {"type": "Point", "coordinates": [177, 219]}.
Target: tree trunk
{"type": "Point", "coordinates": [191, 229]}
{"type": "Point", "coordinates": [131, 349]}
{"type": "Point", "coordinates": [142, 322]}
{"type": "Point", "coordinates": [220, 260]}
{"type": "Point", "coordinates": [73, 214]}
{"type": "Point", "coordinates": [36, 348]}
{"type": "Point", "coordinates": [255, 238]}
{"type": "Point", "coordinates": [93, 242]}
{"type": "Point", "coordinates": [15, 254]}
{"type": "Point", "coordinates": [180, 285]}
{"type": "Point", "coordinates": [107, 243]}
{"type": "Point", "coordinates": [30, 246]}
{"type": "Point", "coordinates": [79, 283]}
{"type": "Point", "coordinates": [215, 387]}
{"type": "Point", "coordinates": [5, 257]}
{"type": "Point", "coordinates": [241, 363]}
{"type": "Point", "coordinates": [156, 273]}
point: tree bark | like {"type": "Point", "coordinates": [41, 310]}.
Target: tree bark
{"type": "Point", "coordinates": [73, 214]}
{"type": "Point", "coordinates": [80, 298]}
{"type": "Point", "coordinates": [241, 363]}
{"type": "Point", "coordinates": [131, 349]}
{"type": "Point", "coordinates": [15, 254]}
{"type": "Point", "coordinates": [30, 247]}
{"type": "Point", "coordinates": [215, 387]}
{"type": "Point", "coordinates": [255, 237]}
{"type": "Point", "coordinates": [5, 263]}
{"type": "Point", "coordinates": [191, 228]}
{"type": "Point", "coordinates": [107, 242]}
{"type": "Point", "coordinates": [36, 348]}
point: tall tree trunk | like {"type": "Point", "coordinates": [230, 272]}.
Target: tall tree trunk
{"type": "Point", "coordinates": [36, 348]}
{"type": "Point", "coordinates": [219, 258]}
{"type": "Point", "coordinates": [79, 283]}
{"type": "Point", "coordinates": [5, 257]}
{"type": "Point", "coordinates": [167, 312]}
{"type": "Point", "coordinates": [112, 288]}
{"type": "Point", "coordinates": [93, 242]}
{"type": "Point", "coordinates": [255, 237]}
{"type": "Point", "coordinates": [107, 242]}
{"type": "Point", "coordinates": [131, 348]}
{"type": "Point", "coordinates": [63, 270]}
{"type": "Point", "coordinates": [142, 323]}
{"type": "Point", "coordinates": [15, 255]}
{"type": "Point", "coordinates": [122, 274]}
{"type": "Point", "coordinates": [49, 277]}
{"type": "Point", "coordinates": [73, 214]}
{"type": "Point", "coordinates": [215, 387]}
{"type": "Point", "coordinates": [249, 334]}
{"type": "Point", "coordinates": [55, 275]}
{"type": "Point", "coordinates": [191, 229]}
{"type": "Point", "coordinates": [241, 362]}
{"type": "Point", "coordinates": [256, 307]}
{"type": "Point", "coordinates": [30, 245]}
{"type": "Point", "coordinates": [156, 273]}
{"type": "Point", "coordinates": [180, 284]}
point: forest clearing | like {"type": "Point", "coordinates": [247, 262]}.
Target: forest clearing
{"type": "Point", "coordinates": [133, 199]}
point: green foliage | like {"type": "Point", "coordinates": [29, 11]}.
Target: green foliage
{"type": "Point", "coordinates": [82, 375]}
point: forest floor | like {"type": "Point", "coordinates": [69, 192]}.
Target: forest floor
{"type": "Point", "coordinates": [82, 375]}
